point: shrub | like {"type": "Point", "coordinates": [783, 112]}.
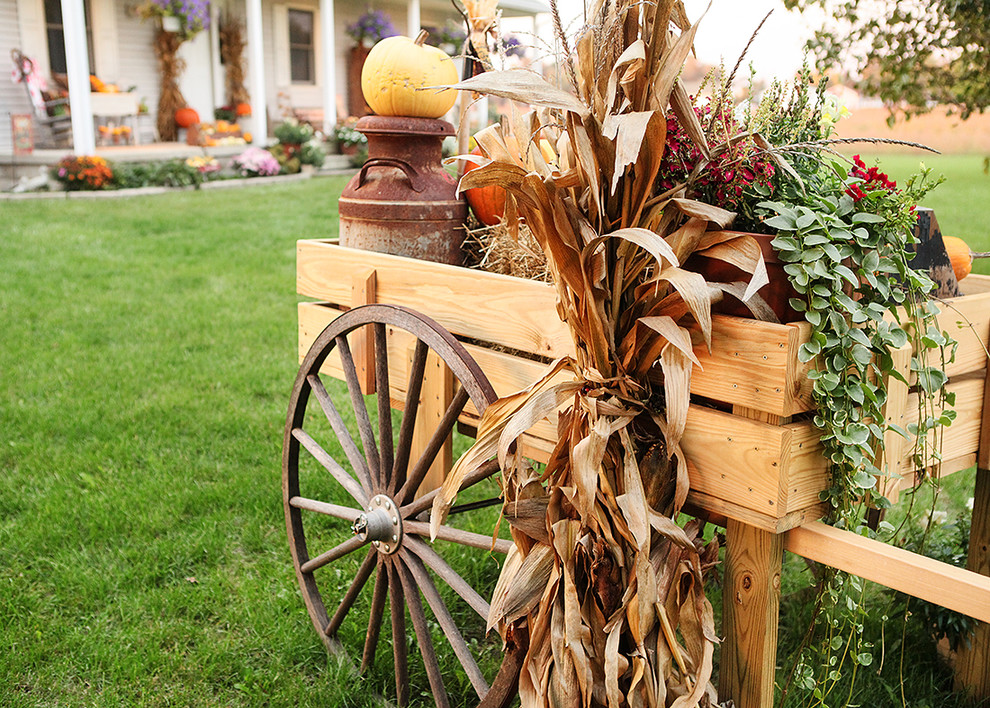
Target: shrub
{"type": "Point", "coordinates": [292, 132]}
{"type": "Point", "coordinates": [174, 173]}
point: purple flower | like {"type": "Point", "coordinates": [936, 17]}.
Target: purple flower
{"type": "Point", "coordinates": [373, 25]}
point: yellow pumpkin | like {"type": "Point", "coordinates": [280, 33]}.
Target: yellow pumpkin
{"type": "Point", "coordinates": [959, 255]}
{"type": "Point", "coordinates": [397, 74]}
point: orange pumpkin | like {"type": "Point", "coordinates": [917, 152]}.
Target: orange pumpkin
{"type": "Point", "coordinates": [487, 203]}
{"type": "Point", "coordinates": [184, 117]}
{"type": "Point", "coordinates": [959, 255]}
{"type": "Point", "coordinates": [243, 109]}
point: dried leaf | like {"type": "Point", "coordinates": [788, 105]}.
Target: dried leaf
{"type": "Point", "coordinates": [676, 335]}
{"type": "Point", "coordinates": [677, 390]}
{"type": "Point", "coordinates": [693, 288]}
{"type": "Point", "coordinates": [650, 242]}
{"type": "Point", "coordinates": [523, 86]}
{"type": "Point", "coordinates": [709, 212]}
{"type": "Point", "coordinates": [520, 585]}
{"type": "Point", "coordinates": [668, 75]}
{"type": "Point", "coordinates": [493, 422]}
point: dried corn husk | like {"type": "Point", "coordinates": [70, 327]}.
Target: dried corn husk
{"type": "Point", "coordinates": [611, 588]}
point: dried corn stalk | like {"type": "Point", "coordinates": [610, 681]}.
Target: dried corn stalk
{"type": "Point", "coordinates": [610, 587]}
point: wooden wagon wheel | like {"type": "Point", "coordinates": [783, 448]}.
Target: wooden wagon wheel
{"type": "Point", "coordinates": [382, 513]}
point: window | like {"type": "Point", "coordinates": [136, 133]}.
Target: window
{"type": "Point", "coordinates": [56, 36]}
{"type": "Point", "coordinates": [301, 52]}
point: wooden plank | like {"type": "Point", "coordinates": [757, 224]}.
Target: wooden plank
{"type": "Point", "coordinates": [363, 292]}
{"type": "Point", "coordinates": [754, 364]}
{"type": "Point", "coordinates": [967, 320]}
{"type": "Point", "coordinates": [750, 613]}
{"type": "Point", "coordinates": [744, 463]}
{"type": "Point", "coordinates": [943, 584]}
{"type": "Point", "coordinates": [437, 393]}
{"type": "Point", "coordinates": [721, 510]}
{"type": "Point", "coordinates": [973, 662]}
{"type": "Point", "coordinates": [514, 312]}
{"type": "Point", "coordinates": [735, 458]}
{"type": "Point", "coordinates": [960, 439]}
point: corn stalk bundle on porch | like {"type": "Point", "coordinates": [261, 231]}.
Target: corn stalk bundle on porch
{"type": "Point", "coordinates": [611, 588]}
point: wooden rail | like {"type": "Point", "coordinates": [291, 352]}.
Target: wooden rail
{"type": "Point", "coordinates": [925, 578]}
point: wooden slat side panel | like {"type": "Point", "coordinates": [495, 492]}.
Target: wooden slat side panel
{"type": "Point", "coordinates": [735, 458]}
{"type": "Point", "coordinates": [960, 439]}
{"type": "Point", "coordinates": [805, 472]}
{"type": "Point", "coordinates": [946, 585]}
{"type": "Point", "coordinates": [516, 313]}
{"type": "Point", "coordinates": [747, 366]}
{"type": "Point", "coordinates": [967, 320]}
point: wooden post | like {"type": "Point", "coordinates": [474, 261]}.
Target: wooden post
{"type": "Point", "coordinates": [437, 393]}
{"type": "Point", "coordinates": [364, 288]}
{"type": "Point", "coordinates": [973, 663]}
{"type": "Point", "coordinates": [750, 613]}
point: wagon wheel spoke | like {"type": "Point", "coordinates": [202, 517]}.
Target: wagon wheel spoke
{"type": "Point", "coordinates": [415, 387]}
{"type": "Point", "coordinates": [425, 641]}
{"type": "Point", "coordinates": [360, 409]}
{"type": "Point", "coordinates": [364, 572]}
{"type": "Point", "coordinates": [465, 538]}
{"type": "Point", "coordinates": [444, 428]}
{"type": "Point", "coordinates": [399, 649]}
{"type": "Point", "coordinates": [344, 479]}
{"type": "Point", "coordinates": [350, 448]}
{"type": "Point", "coordinates": [375, 616]}
{"type": "Point", "coordinates": [335, 510]}
{"type": "Point", "coordinates": [446, 622]}
{"type": "Point", "coordinates": [385, 452]}
{"type": "Point", "coordinates": [351, 544]}
{"type": "Point", "coordinates": [421, 504]}
{"type": "Point", "coordinates": [456, 583]}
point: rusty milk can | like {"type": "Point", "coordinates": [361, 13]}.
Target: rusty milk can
{"type": "Point", "coordinates": [403, 201]}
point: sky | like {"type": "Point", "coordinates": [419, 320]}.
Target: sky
{"type": "Point", "coordinates": [728, 25]}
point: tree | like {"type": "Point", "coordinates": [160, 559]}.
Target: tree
{"type": "Point", "coordinates": [913, 54]}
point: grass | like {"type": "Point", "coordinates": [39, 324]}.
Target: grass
{"type": "Point", "coordinates": [147, 356]}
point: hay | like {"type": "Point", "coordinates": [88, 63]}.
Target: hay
{"type": "Point", "coordinates": [495, 250]}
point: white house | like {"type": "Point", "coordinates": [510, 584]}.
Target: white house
{"type": "Point", "coordinates": [296, 53]}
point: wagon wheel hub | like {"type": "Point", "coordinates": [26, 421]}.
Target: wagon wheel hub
{"type": "Point", "coordinates": [381, 524]}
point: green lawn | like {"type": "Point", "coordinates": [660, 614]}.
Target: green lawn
{"type": "Point", "coordinates": [147, 355]}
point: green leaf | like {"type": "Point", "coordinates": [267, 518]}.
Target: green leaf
{"type": "Point", "coordinates": [780, 222]}
{"type": "Point", "coordinates": [864, 217]}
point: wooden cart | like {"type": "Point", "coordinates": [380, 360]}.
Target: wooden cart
{"type": "Point", "coordinates": [756, 463]}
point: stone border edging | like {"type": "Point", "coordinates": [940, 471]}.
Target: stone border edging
{"type": "Point", "coordinates": [144, 191]}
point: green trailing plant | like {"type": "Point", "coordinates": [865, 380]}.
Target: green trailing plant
{"type": "Point", "coordinates": [846, 244]}
{"type": "Point", "coordinates": [946, 541]}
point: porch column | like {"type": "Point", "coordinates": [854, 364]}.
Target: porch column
{"type": "Point", "coordinates": [328, 30]}
{"type": "Point", "coordinates": [412, 18]}
{"type": "Point", "coordinates": [77, 67]}
{"type": "Point", "coordinates": [256, 71]}
{"type": "Point", "coordinates": [216, 68]}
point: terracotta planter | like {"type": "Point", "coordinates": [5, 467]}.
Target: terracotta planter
{"type": "Point", "coordinates": [776, 293]}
